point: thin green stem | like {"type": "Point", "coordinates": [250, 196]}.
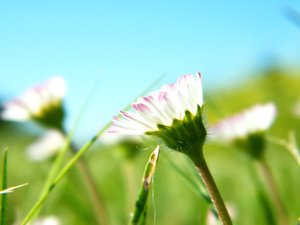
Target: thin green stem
{"type": "Point", "coordinates": [262, 196]}
{"type": "Point", "coordinates": [280, 209]}
{"type": "Point", "coordinates": [290, 145]}
{"type": "Point", "coordinates": [61, 175]}
{"type": "Point", "coordinates": [203, 190]}
{"type": "Point", "coordinates": [212, 189]}
{"type": "Point", "coordinates": [50, 184]}
{"type": "Point", "coordinates": [54, 169]}
{"type": "Point", "coordinates": [61, 154]}
{"type": "Point", "coordinates": [96, 199]}
{"type": "Point", "coordinates": [199, 189]}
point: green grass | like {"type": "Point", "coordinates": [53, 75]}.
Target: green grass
{"type": "Point", "coordinates": [172, 200]}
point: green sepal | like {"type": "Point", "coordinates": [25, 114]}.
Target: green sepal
{"type": "Point", "coordinates": [186, 135]}
{"type": "Point", "coordinates": [254, 144]}
{"type": "Point", "coordinates": [51, 116]}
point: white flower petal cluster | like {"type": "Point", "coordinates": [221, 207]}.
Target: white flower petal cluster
{"type": "Point", "coordinates": [46, 146]}
{"type": "Point", "coordinates": [35, 101]}
{"type": "Point", "coordinates": [256, 119]}
{"type": "Point", "coordinates": [161, 107]}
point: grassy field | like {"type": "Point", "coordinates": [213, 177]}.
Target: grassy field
{"type": "Point", "coordinates": [117, 169]}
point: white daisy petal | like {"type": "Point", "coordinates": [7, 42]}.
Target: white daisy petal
{"type": "Point", "coordinates": [32, 101]}
{"type": "Point", "coordinates": [57, 87]}
{"type": "Point", "coordinates": [15, 111]}
{"type": "Point", "coordinates": [161, 107]}
{"type": "Point", "coordinates": [153, 103]}
{"type": "Point", "coordinates": [256, 119]}
{"type": "Point", "coordinates": [168, 109]}
{"type": "Point", "coordinates": [199, 90]}
{"type": "Point", "coordinates": [36, 102]}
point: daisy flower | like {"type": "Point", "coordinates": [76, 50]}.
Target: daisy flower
{"type": "Point", "coordinates": [174, 114]}
{"type": "Point", "coordinates": [42, 103]}
{"type": "Point", "coordinates": [246, 128]}
{"type": "Point", "coordinates": [46, 146]}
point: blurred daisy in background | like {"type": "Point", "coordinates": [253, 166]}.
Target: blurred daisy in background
{"type": "Point", "coordinates": [46, 146]}
{"type": "Point", "coordinates": [246, 128]}
{"type": "Point", "coordinates": [42, 103]}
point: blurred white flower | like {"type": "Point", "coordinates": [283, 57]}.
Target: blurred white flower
{"type": "Point", "coordinates": [42, 103]}
{"type": "Point", "coordinates": [46, 146]}
{"type": "Point", "coordinates": [254, 120]}
{"type": "Point", "coordinates": [49, 220]}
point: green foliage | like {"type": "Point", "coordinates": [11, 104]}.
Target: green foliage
{"type": "Point", "coordinates": [173, 200]}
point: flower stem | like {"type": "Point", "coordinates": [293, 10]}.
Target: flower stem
{"type": "Point", "coordinates": [261, 194]}
{"type": "Point", "coordinates": [266, 172]}
{"type": "Point", "coordinates": [212, 189]}
{"type": "Point", "coordinates": [96, 199]}
{"type": "Point", "coordinates": [199, 189]}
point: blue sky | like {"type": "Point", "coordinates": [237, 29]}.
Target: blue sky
{"type": "Point", "coordinates": [122, 46]}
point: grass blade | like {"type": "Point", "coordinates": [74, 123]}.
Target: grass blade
{"type": "Point", "coordinates": [63, 151]}
{"type": "Point", "coordinates": [290, 145]}
{"type": "Point", "coordinates": [11, 189]}
{"type": "Point", "coordinates": [4, 187]}
{"type": "Point", "coordinates": [52, 180]}
{"type": "Point", "coordinates": [61, 175]}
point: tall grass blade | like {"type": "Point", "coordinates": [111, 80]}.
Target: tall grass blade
{"type": "Point", "coordinates": [52, 180]}
{"type": "Point", "coordinates": [3, 187]}
{"type": "Point", "coordinates": [11, 189]}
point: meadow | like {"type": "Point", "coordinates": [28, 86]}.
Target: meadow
{"type": "Point", "coordinates": [175, 196]}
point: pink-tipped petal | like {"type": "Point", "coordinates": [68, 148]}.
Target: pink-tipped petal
{"type": "Point", "coordinates": [163, 106]}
